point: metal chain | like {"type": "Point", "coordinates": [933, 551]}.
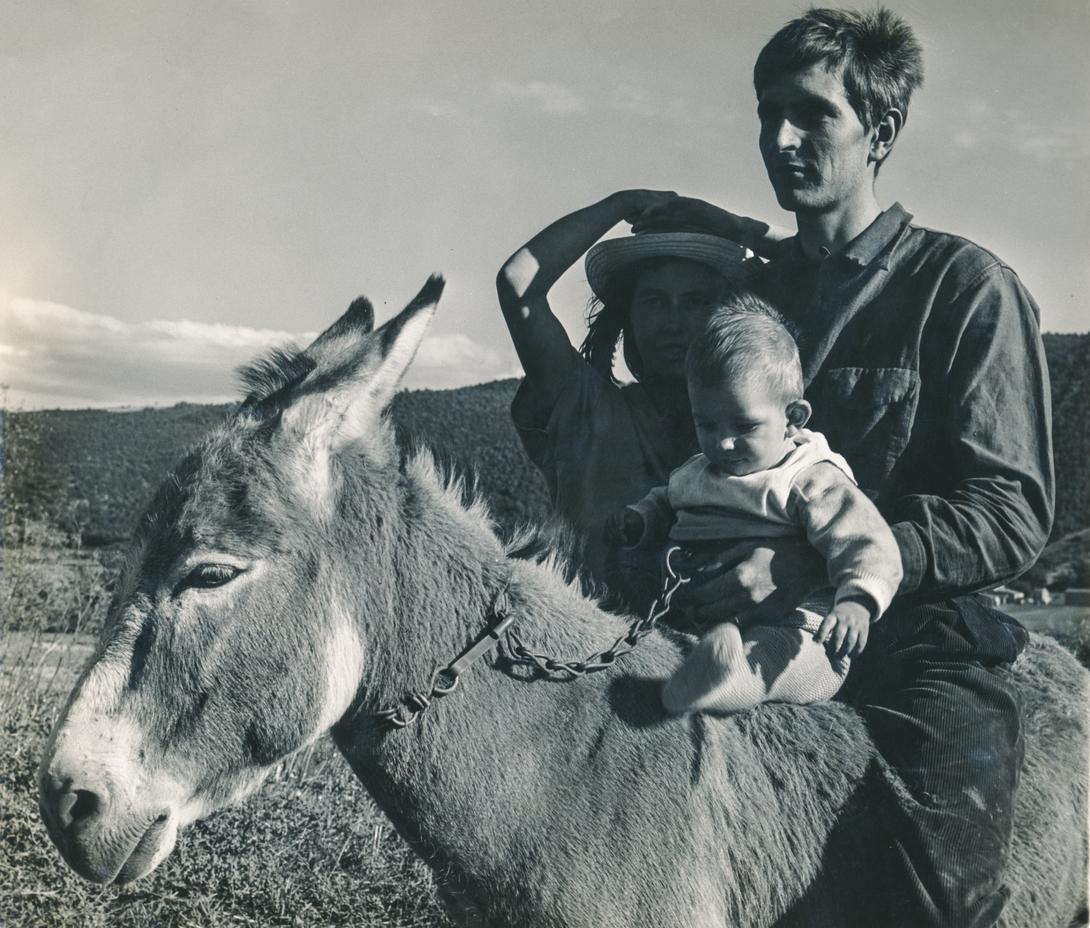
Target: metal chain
{"type": "Point", "coordinates": [444, 680]}
{"type": "Point", "coordinates": [570, 669]}
{"type": "Point", "coordinates": [403, 715]}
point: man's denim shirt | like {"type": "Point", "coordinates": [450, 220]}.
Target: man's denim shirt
{"type": "Point", "coordinates": [923, 361]}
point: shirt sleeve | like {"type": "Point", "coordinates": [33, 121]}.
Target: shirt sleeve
{"type": "Point", "coordinates": [535, 413]}
{"type": "Point", "coordinates": [860, 551]}
{"type": "Point", "coordinates": [995, 520]}
{"type": "Point", "coordinates": [658, 517]}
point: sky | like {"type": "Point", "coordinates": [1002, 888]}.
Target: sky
{"type": "Point", "coordinates": [183, 186]}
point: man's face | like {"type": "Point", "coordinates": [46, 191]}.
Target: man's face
{"type": "Point", "coordinates": [815, 149]}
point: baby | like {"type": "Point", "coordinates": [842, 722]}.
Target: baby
{"type": "Point", "coordinates": [761, 474]}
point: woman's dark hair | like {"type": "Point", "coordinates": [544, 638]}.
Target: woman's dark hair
{"type": "Point", "coordinates": [607, 319]}
{"type": "Point", "coordinates": [881, 59]}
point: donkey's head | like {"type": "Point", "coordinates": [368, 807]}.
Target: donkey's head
{"type": "Point", "coordinates": [230, 644]}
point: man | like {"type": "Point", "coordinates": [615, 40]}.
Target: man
{"type": "Point", "coordinates": [925, 369]}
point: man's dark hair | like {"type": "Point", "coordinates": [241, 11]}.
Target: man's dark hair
{"type": "Point", "coordinates": [882, 61]}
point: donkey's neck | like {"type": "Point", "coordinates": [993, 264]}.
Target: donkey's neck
{"type": "Point", "coordinates": [437, 588]}
{"type": "Point", "coordinates": [444, 571]}
{"type": "Point", "coordinates": [464, 753]}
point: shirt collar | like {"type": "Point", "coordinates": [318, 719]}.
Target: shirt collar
{"type": "Point", "coordinates": [868, 244]}
{"type": "Point", "coordinates": [872, 241]}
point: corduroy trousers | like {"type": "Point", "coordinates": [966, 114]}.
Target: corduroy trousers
{"type": "Point", "coordinates": [934, 687]}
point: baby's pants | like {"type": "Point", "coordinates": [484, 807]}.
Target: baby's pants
{"type": "Point", "coordinates": [732, 669]}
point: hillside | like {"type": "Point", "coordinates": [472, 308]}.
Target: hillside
{"type": "Point", "coordinates": [92, 471]}
{"type": "Point", "coordinates": [1065, 562]}
{"type": "Point", "coordinates": [1069, 370]}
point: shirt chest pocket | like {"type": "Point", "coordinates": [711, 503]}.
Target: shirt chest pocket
{"type": "Point", "coordinates": [866, 413]}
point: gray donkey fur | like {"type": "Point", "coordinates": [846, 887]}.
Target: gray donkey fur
{"type": "Point", "coordinates": [296, 576]}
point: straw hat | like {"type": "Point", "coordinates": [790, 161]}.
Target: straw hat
{"type": "Point", "coordinates": [608, 257]}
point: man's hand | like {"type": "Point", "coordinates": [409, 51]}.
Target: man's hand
{"type": "Point", "coordinates": [637, 203]}
{"type": "Point", "coordinates": [848, 626]}
{"type": "Point", "coordinates": [755, 582]}
{"type": "Point", "coordinates": [688, 214]}
{"type": "Point", "coordinates": [624, 528]}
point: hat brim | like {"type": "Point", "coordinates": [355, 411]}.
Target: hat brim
{"type": "Point", "coordinates": [612, 256]}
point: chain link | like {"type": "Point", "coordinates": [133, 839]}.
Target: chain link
{"type": "Point", "coordinates": [409, 711]}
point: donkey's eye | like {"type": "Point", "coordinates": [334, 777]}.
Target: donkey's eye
{"type": "Point", "coordinates": [205, 576]}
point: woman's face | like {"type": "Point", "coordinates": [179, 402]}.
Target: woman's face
{"type": "Point", "coordinates": [670, 304]}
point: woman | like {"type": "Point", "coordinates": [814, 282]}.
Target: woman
{"type": "Point", "coordinates": [602, 445]}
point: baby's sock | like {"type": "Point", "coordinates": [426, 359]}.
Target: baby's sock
{"type": "Point", "coordinates": [715, 676]}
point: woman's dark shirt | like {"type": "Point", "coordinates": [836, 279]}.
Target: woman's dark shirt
{"type": "Point", "coordinates": [600, 446]}
{"type": "Point", "coordinates": [923, 362]}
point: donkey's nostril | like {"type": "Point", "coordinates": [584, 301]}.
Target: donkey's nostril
{"type": "Point", "coordinates": [66, 805]}
{"type": "Point", "coordinates": [86, 804]}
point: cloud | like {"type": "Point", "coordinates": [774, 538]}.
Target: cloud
{"type": "Point", "coordinates": [630, 99]}
{"type": "Point", "coordinates": [1045, 143]}
{"type": "Point", "coordinates": [683, 114]}
{"type": "Point", "coordinates": [440, 109]}
{"type": "Point", "coordinates": [965, 139]}
{"type": "Point", "coordinates": [454, 360]}
{"type": "Point", "coordinates": [639, 101]}
{"type": "Point", "coordinates": [53, 355]}
{"type": "Point", "coordinates": [553, 99]}
{"type": "Point", "coordinates": [1056, 144]}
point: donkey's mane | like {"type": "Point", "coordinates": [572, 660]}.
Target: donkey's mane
{"type": "Point", "coordinates": [553, 545]}
{"type": "Point", "coordinates": [276, 370]}
{"type": "Point", "coordinates": [556, 546]}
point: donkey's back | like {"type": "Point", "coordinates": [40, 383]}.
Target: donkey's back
{"type": "Point", "coordinates": [1048, 862]}
{"type": "Point", "coordinates": [758, 819]}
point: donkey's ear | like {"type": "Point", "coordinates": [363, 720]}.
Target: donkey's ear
{"type": "Point", "coordinates": [356, 374]}
{"type": "Point", "coordinates": [398, 340]}
{"type": "Point", "coordinates": [358, 319]}
{"type": "Point", "coordinates": [277, 380]}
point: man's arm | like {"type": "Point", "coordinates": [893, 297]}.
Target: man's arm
{"type": "Point", "coordinates": [997, 419]}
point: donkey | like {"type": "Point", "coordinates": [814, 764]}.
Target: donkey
{"type": "Point", "coordinates": [297, 575]}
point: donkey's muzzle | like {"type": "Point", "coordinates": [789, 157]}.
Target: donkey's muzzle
{"type": "Point", "coordinates": [99, 838]}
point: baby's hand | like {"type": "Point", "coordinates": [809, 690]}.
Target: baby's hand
{"type": "Point", "coordinates": [624, 528]}
{"type": "Point", "coordinates": [848, 626]}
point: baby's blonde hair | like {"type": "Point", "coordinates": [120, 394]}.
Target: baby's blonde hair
{"type": "Point", "coordinates": [745, 336]}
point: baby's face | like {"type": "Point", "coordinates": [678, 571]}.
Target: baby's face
{"type": "Point", "coordinates": [742, 426]}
